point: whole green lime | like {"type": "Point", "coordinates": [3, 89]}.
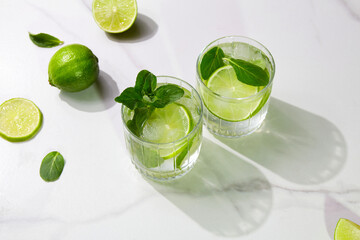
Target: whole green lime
{"type": "Point", "coordinates": [73, 68]}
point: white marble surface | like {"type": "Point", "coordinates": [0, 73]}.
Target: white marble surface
{"type": "Point", "coordinates": [292, 179]}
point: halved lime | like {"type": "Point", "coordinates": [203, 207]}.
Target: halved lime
{"type": "Point", "coordinates": [225, 83]}
{"type": "Point", "coordinates": [166, 125]}
{"type": "Point", "coordinates": [346, 230]}
{"type": "Point", "coordinates": [20, 119]}
{"type": "Point", "coordinates": [114, 16]}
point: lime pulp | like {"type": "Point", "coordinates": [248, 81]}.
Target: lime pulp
{"type": "Point", "coordinates": [167, 125]}
{"type": "Point", "coordinates": [114, 16]}
{"type": "Point", "coordinates": [227, 88]}
{"type": "Point", "coordinates": [20, 119]}
{"type": "Point", "coordinates": [346, 230]}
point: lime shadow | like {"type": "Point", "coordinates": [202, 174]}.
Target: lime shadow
{"type": "Point", "coordinates": [142, 29]}
{"type": "Point", "coordinates": [98, 97]}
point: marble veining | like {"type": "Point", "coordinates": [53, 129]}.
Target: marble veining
{"type": "Point", "coordinates": [353, 7]}
{"type": "Point", "coordinates": [48, 16]}
{"type": "Point", "coordinates": [292, 179]}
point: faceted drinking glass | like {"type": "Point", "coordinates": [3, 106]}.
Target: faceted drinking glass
{"type": "Point", "coordinates": [235, 117]}
{"type": "Point", "coordinates": [167, 161]}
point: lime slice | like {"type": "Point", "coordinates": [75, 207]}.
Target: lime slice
{"type": "Point", "coordinates": [20, 119]}
{"type": "Point", "coordinates": [114, 16]}
{"type": "Point", "coordinates": [225, 83]}
{"type": "Point", "coordinates": [346, 230]}
{"type": "Point", "coordinates": [167, 125]}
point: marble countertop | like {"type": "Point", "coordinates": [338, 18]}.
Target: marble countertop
{"type": "Point", "coordinates": [292, 179]}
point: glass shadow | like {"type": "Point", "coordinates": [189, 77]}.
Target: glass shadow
{"type": "Point", "coordinates": [98, 97]}
{"type": "Point", "coordinates": [223, 194]}
{"type": "Point", "coordinates": [297, 145]}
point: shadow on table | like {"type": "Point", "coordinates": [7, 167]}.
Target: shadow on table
{"type": "Point", "coordinates": [334, 210]}
{"type": "Point", "coordinates": [297, 145]}
{"type": "Point", "coordinates": [142, 29]}
{"type": "Point", "coordinates": [223, 194]}
{"type": "Point", "coordinates": [98, 97]}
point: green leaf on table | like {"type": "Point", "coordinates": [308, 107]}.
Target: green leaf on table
{"type": "Point", "coordinates": [45, 40]}
{"type": "Point", "coordinates": [145, 97]}
{"type": "Point", "coordinates": [212, 60]}
{"type": "Point", "coordinates": [145, 82]}
{"type": "Point", "coordinates": [130, 98]}
{"type": "Point", "coordinates": [166, 94]}
{"type": "Point", "coordinates": [249, 73]}
{"type": "Point", "coordinates": [52, 166]}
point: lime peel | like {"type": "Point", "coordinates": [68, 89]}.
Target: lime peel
{"type": "Point", "coordinates": [73, 68]}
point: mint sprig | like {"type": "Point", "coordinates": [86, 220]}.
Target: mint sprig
{"type": "Point", "coordinates": [246, 72]}
{"type": "Point", "coordinates": [145, 97]}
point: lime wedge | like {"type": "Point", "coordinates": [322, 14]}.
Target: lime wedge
{"type": "Point", "coordinates": [346, 230]}
{"type": "Point", "coordinates": [20, 119]}
{"type": "Point", "coordinates": [225, 83]}
{"type": "Point", "coordinates": [167, 125]}
{"type": "Point", "coordinates": [114, 16]}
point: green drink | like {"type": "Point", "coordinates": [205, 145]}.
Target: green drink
{"type": "Point", "coordinates": [168, 144]}
{"type": "Point", "coordinates": [235, 77]}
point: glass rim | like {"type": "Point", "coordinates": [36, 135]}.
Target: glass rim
{"type": "Point", "coordinates": [271, 58]}
{"type": "Point", "coordinates": [197, 125]}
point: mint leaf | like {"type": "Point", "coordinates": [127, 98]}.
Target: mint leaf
{"type": "Point", "coordinates": [136, 124]}
{"type": "Point", "coordinates": [249, 73]}
{"type": "Point", "coordinates": [45, 40]}
{"type": "Point", "coordinates": [52, 166]}
{"type": "Point", "coordinates": [166, 94]}
{"type": "Point", "coordinates": [212, 60]}
{"type": "Point", "coordinates": [145, 82]}
{"type": "Point", "coordinates": [130, 98]}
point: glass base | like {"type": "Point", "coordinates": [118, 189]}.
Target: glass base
{"type": "Point", "coordinates": [166, 176]}
{"type": "Point", "coordinates": [230, 129]}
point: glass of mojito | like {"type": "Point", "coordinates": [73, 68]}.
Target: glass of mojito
{"type": "Point", "coordinates": [234, 78]}
{"type": "Point", "coordinates": [163, 132]}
